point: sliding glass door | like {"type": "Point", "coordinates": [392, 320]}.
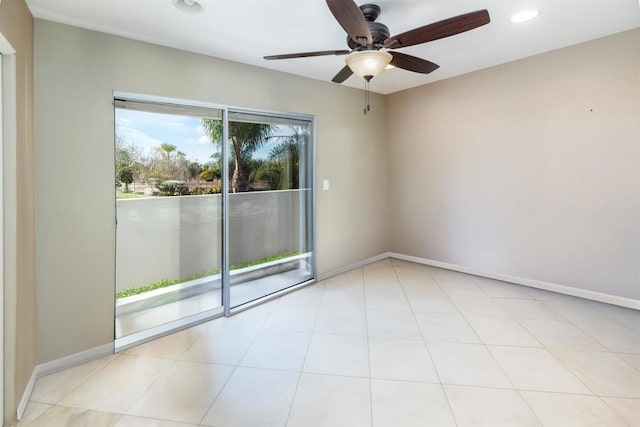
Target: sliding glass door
{"type": "Point", "coordinates": [270, 205]}
{"type": "Point", "coordinates": [169, 215]}
{"type": "Point", "coordinates": [214, 210]}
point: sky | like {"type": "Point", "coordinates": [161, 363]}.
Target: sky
{"type": "Point", "coordinates": [146, 131]}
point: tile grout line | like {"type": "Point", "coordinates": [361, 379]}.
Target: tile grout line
{"type": "Point", "coordinates": [235, 367]}
{"type": "Point", "coordinates": [614, 411]}
{"type": "Point", "coordinates": [570, 370]}
{"type": "Point", "coordinates": [595, 339]}
{"type": "Point", "coordinates": [618, 353]}
{"type": "Point", "coordinates": [548, 350]}
{"type": "Point", "coordinates": [526, 402]}
{"type": "Point", "coordinates": [435, 369]}
{"type": "Point", "coordinates": [304, 360]}
{"type": "Point", "coordinates": [537, 348]}
{"type": "Point", "coordinates": [366, 327]}
{"type": "Point", "coordinates": [510, 316]}
{"type": "Point", "coordinates": [598, 307]}
{"type": "Point", "coordinates": [489, 351]}
{"type": "Point", "coordinates": [164, 371]}
{"type": "Point", "coordinates": [81, 382]}
{"type": "Point", "coordinates": [518, 390]}
{"type": "Point", "coordinates": [608, 348]}
{"type": "Point", "coordinates": [53, 406]}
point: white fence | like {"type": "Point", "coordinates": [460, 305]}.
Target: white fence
{"type": "Point", "coordinates": [176, 237]}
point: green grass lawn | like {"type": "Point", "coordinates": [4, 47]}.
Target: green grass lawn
{"type": "Point", "coordinates": [170, 282]}
{"type": "Point", "coordinates": [122, 195]}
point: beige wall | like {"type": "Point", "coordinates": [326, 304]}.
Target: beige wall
{"type": "Point", "coordinates": [530, 169]}
{"type": "Point", "coordinates": [16, 25]}
{"type": "Point", "coordinates": [75, 73]}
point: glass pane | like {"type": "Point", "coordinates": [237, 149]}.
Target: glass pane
{"type": "Point", "coordinates": [270, 220]}
{"type": "Point", "coordinates": [169, 211]}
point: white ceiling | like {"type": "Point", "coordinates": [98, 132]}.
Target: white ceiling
{"type": "Point", "coordinates": [246, 30]}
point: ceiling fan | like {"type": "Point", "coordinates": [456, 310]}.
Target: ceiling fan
{"type": "Point", "coordinates": [371, 46]}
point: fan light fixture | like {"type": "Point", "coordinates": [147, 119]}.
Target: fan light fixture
{"type": "Point", "coordinates": [189, 6]}
{"type": "Point", "coordinates": [524, 16]}
{"type": "Point", "coordinates": [368, 63]}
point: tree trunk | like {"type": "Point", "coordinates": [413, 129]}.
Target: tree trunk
{"type": "Point", "coordinates": [240, 183]}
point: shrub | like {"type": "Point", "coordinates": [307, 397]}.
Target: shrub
{"type": "Point", "coordinates": [216, 189]}
{"type": "Point", "coordinates": [125, 175]}
{"type": "Point", "coordinates": [199, 191]}
{"type": "Point", "coordinates": [210, 174]}
{"type": "Point", "coordinates": [173, 188]}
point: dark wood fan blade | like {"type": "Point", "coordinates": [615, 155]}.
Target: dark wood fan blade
{"type": "Point", "coordinates": [343, 75]}
{"type": "Point", "coordinates": [438, 30]}
{"type": "Point", "coordinates": [307, 54]}
{"type": "Point", "coordinates": [351, 19]}
{"type": "Point", "coordinates": [412, 63]}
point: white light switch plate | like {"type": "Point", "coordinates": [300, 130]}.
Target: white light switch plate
{"type": "Point", "coordinates": [325, 185]}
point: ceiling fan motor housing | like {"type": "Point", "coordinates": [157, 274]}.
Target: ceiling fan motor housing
{"type": "Point", "coordinates": [379, 31]}
{"type": "Point", "coordinates": [370, 11]}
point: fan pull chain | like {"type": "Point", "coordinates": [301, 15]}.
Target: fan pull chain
{"type": "Point", "coordinates": [367, 97]}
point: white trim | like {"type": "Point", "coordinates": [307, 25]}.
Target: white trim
{"type": "Point", "coordinates": [1, 243]}
{"type": "Point", "coordinates": [340, 270]}
{"type": "Point", "coordinates": [26, 396]}
{"type": "Point", "coordinates": [157, 99]}
{"type": "Point", "coordinates": [74, 359]}
{"type": "Point", "coordinates": [5, 46]}
{"type": "Point", "coordinates": [8, 143]}
{"type": "Point", "coordinates": [553, 287]}
{"type": "Point", "coordinates": [60, 364]}
{"type": "Point", "coordinates": [537, 284]}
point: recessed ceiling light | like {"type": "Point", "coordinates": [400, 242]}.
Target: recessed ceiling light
{"type": "Point", "coordinates": [190, 6]}
{"type": "Point", "coordinates": [523, 16]}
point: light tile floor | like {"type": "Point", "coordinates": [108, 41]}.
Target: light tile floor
{"type": "Point", "coordinates": [392, 344]}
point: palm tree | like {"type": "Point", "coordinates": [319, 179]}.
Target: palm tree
{"type": "Point", "coordinates": [165, 150]}
{"type": "Point", "coordinates": [172, 162]}
{"type": "Point", "coordinates": [286, 155]}
{"type": "Point", "coordinates": [245, 139]}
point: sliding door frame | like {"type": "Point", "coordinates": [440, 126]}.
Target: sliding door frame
{"type": "Point", "coordinates": [226, 288]}
{"type": "Point", "coordinates": [226, 295]}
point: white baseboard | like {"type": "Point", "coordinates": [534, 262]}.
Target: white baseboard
{"type": "Point", "coordinates": [26, 395]}
{"type": "Point", "coordinates": [58, 365]}
{"type": "Point", "coordinates": [553, 287]}
{"type": "Point", "coordinates": [353, 266]}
